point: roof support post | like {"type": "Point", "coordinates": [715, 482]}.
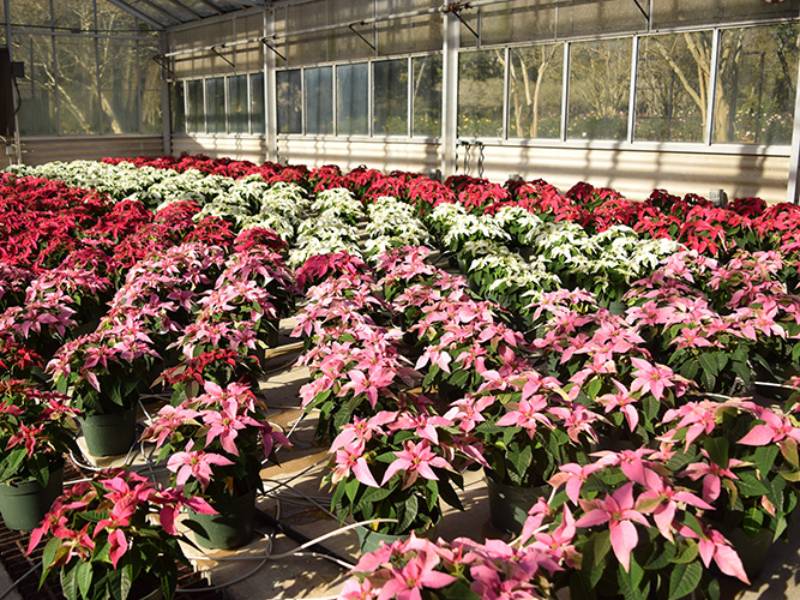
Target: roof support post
{"type": "Point", "coordinates": [450, 45]}
{"type": "Point", "coordinates": [166, 108]}
{"type": "Point", "coordinates": [793, 186]}
{"type": "Point", "coordinates": [270, 99]}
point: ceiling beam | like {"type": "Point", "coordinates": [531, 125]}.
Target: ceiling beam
{"type": "Point", "coordinates": [164, 11]}
{"type": "Point", "coordinates": [187, 8]}
{"type": "Point", "coordinates": [213, 6]}
{"type": "Point", "coordinates": [135, 12]}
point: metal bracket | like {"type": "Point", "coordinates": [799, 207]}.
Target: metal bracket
{"type": "Point", "coordinates": [642, 10]}
{"type": "Point", "coordinates": [223, 57]}
{"type": "Point", "coordinates": [455, 8]}
{"type": "Point", "coordinates": [273, 48]}
{"type": "Point", "coordinates": [352, 27]}
{"type": "Point", "coordinates": [165, 64]}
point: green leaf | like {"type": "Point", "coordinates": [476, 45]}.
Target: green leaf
{"type": "Point", "coordinates": [69, 582]}
{"type": "Point", "coordinates": [717, 449]}
{"type": "Point", "coordinates": [125, 580]}
{"type": "Point", "coordinates": [684, 579]}
{"type": "Point", "coordinates": [50, 552]}
{"type": "Point", "coordinates": [84, 577]}
{"type": "Point", "coordinates": [764, 457]}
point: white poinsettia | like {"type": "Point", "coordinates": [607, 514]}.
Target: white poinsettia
{"type": "Point", "coordinates": [392, 224]}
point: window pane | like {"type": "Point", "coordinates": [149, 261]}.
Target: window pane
{"type": "Point", "coordinates": [237, 104]}
{"type": "Point", "coordinates": [756, 85]}
{"type": "Point", "coordinates": [37, 112]}
{"type": "Point", "coordinates": [290, 101]}
{"type": "Point", "coordinates": [671, 87]}
{"type": "Point", "coordinates": [352, 89]}
{"type": "Point", "coordinates": [195, 119]}
{"type": "Point", "coordinates": [257, 103]}
{"type": "Point", "coordinates": [427, 95]}
{"type": "Point", "coordinates": [318, 84]}
{"type": "Point", "coordinates": [78, 100]}
{"type": "Point", "coordinates": [480, 93]}
{"type": "Point", "coordinates": [674, 13]}
{"type": "Point", "coordinates": [390, 100]}
{"type": "Point", "coordinates": [178, 108]}
{"type": "Point", "coordinates": [599, 88]}
{"type": "Point", "coordinates": [534, 91]}
{"type": "Point", "coordinates": [215, 105]}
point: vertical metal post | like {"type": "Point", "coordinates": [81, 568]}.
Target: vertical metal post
{"type": "Point", "coordinates": [450, 46]}
{"type": "Point", "coordinates": [15, 96]}
{"type": "Point", "coordinates": [409, 97]}
{"type": "Point", "coordinates": [712, 87]}
{"type": "Point", "coordinates": [56, 71]}
{"type": "Point", "coordinates": [565, 92]}
{"type": "Point", "coordinates": [166, 109]}
{"type": "Point", "coordinates": [506, 74]}
{"type": "Point", "coordinates": [632, 94]}
{"type": "Point", "coordinates": [370, 102]}
{"type": "Point", "coordinates": [793, 185]}
{"type": "Point", "coordinates": [270, 87]}
{"type": "Point", "coordinates": [98, 88]}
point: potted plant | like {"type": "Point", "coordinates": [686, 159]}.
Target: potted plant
{"type": "Point", "coordinates": [36, 429]}
{"type": "Point", "coordinates": [215, 445]}
{"type": "Point", "coordinates": [398, 465]}
{"type": "Point", "coordinates": [104, 373]}
{"type": "Point", "coordinates": [114, 537]}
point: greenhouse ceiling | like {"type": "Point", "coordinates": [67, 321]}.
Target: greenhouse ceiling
{"type": "Point", "coordinates": [168, 13]}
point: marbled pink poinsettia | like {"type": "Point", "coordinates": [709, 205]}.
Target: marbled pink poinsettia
{"type": "Point", "coordinates": [195, 464]}
{"type": "Point", "coordinates": [619, 511]}
{"type": "Point", "coordinates": [415, 460]}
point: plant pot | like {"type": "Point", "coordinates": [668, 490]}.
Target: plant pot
{"type": "Point", "coordinates": [369, 540]}
{"type": "Point", "coordinates": [23, 506]}
{"type": "Point", "coordinates": [231, 528]}
{"type": "Point", "coordinates": [752, 549]}
{"type": "Point", "coordinates": [109, 434]}
{"type": "Point", "coordinates": [509, 504]}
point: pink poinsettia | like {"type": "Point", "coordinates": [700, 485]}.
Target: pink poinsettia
{"type": "Point", "coordinates": [416, 459]}
{"type": "Point", "coordinates": [618, 510]}
{"type": "Point", "coordinates": [712, 475]}
{"type": "Point", "coordinates": [714, 546]}
{"type": "Point", "coordinates": [775, 429]}
{"type": "Point", "coordinates": [650, 378]}
{"type": "Point", "coordinates": [195, 463]}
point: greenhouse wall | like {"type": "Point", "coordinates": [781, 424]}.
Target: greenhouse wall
{"type": "Point", "coordinates": [634, 95]}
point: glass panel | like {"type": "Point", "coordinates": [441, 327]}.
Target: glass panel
{"type": "Point", "coordinates": [534, 91]}
{"type": "Point", "coordinates": [37, 113]}
{"type": "Point", "coordinates": [289, 96]}
{"type": "Point", "coordinates": [195, 119]}
{"type": "Point", "coordinates": [672, 87]}
{"type": "Point", "coordinates": [756, 84]}
{"type": "Point", "coordinates": [480, 93]}
{"type": "Point", "coordinates": [178, 108]}
{"type": "Point", "coordinates": [515, 21]}
{"type": "Point", "coordinates": [257, 103]}
{"type": "Point", "coordinates": [599, 88]}
{"type": "Point", "coordinates": [77, 86]}
{"type": "Point", "coordinates": [427, 95]}
{"type": "Point", "coordinates": [130, 86]}
{"type": "Point", "coordinates": [390, 99]}
{"type": "Point", "coordinates": [603, 16]}
{"type": "Point", "coordinates": [411, 34]}
{"type": "Point", "coordinates": [30, 12]}
{"type": "Point", "coordinates": [318, 89]}
{"type": "Point", "coordinates": [352, 99]}
{"type": "Point", "coordinates": [151, 119]}
{"type": "Point", "coordinates": [237, 104]}
{"type": "Point", "coordinates": [215, 105]}
{"type": "Point", "coordinates": [673, 13]}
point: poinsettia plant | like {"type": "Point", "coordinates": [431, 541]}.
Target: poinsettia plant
{"type": "Point", "coordinates": [37, 429]}
{"type": "Point", "coordinates": [398, 465]}
{"type": "Point", "coordinates": [114, 537]}
{"type": "Point", "coordinates": [215, 443]}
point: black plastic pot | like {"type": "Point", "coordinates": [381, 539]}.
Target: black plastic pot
{"type": "Point", "coordinates": [109, 434]}
{"type": "Point", "coordinates": [23, 506]}
{"type": "Point", "coordinates": [509, 504]}
{"type": "Point", "coordinates": [231, 528]}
